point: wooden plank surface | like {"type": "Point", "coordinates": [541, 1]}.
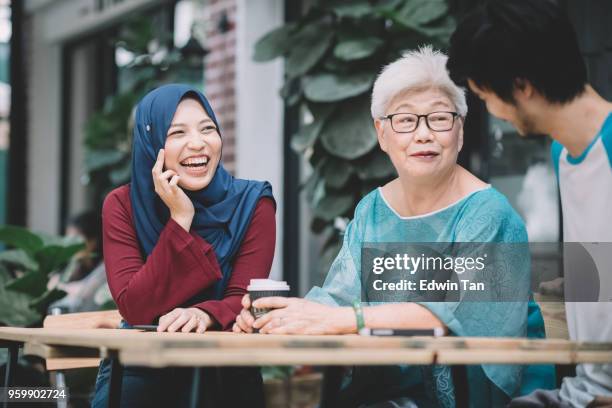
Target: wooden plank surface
{"type": "Point", "coordinates": [275, 356]}
{"type": "Point", "coordinates": [68, 363]}
{"type": "Point", "coordinates": [46, 351]}
{"type": "Point", "coordinates": [222, 348]}
{"type": "Point", "coordinates": [105, 319]}
{"type": "Point", "coordinates": [115, 338]}
{"type": "Point", "coordinates": [63, 357]}
{"type": "Point", "coordinates": [492, 356]}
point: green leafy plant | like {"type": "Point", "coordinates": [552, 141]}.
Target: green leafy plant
{"type": "Point", "coordinates": [24, 273]}
{"type": "Point", "coordinates": [332, 56]}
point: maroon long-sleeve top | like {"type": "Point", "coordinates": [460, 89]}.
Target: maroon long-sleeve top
{"type": "Point", "coordinates": [181, 265]}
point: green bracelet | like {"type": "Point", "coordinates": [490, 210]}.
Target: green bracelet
{"type": "Point", "coordinates": [359, 315]}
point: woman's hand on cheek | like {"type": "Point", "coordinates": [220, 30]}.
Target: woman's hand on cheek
{"type": "Point", "coordinates": [166, 186]}
{"type": "Point", "coordinates": [300, 316]}
{"type": "Point", "coordinates": [185, 320]}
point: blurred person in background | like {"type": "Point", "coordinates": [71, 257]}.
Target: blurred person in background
{"type": "Point", "coordinates": [84, 279]}
{"type": "Point", "coordinates": [87, 226]}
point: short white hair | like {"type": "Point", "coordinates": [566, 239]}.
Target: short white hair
{"type": "Point", "coordinates": [418, 69]}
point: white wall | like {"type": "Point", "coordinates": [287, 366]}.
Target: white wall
{"type": "Point", "coordinates": [43, 129]}
{"type": "Point", "coordinates": [259, 108]}
{"type": "Point", "coordinates": [82, 105]}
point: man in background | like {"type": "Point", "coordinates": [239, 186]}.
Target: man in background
{"type": "Point", "coordinates": [521, 57]}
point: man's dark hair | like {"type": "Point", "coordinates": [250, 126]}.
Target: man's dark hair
{"type": "Point", "coordinates": [505, 41]}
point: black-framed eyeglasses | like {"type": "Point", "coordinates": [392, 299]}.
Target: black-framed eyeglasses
{"type": "Point", "coordinates": [409, 122]}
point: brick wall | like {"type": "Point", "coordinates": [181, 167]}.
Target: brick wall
{"type": "Point", "coordinates": [220, 72]}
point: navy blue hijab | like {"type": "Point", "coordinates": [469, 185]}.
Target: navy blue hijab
{"type": "Point", "coordinates": [223, 209]}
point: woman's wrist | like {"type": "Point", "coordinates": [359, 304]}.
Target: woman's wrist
{"type": "Point", "coordinates": [345, 322]}
{"type": "Point", "coordinates": [184, 220]}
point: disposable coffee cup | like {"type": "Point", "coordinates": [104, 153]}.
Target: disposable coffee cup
{"type": "Point", "coordinates": [260, 288]}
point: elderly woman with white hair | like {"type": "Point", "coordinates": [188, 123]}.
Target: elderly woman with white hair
{"type": "Point", "coordinates": [418, 113]}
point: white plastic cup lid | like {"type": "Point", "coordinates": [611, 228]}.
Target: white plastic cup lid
{"type": "Point", "coordinates": [267, 284]}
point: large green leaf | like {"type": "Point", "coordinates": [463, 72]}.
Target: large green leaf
{"type": "Point", "coordinates": [274, 44]}
{"type": "Point", "coordinates": [349, 133]}
{"type": "Point", "coordinates": [439, 34]}
{"type": "Point", "coordinates": [329, 87]}
{"type": "Point", "coordinates": [21, 238]}
{"type": "Point", "coordinates": [52, 257]}
{"type": "Point", "coordinates": [307, 48]}
{"type": "Point", "coordinates": [416, 13]}
{"type": "Point", "coordinates": [321, 111]}
{"type": "Point", "coordinates": [387, 6]}
{"type": "Point", "coordinates": [355, 9]}
{"type": "Point", "coordinates": [32, 283]}
{"type": "Point", "coordinates": [333, 205]}
{"type": "Point", "coordinates": [306, 136]}
{"type": "Point", "coordinates": [335, 65]}
{"type": "Point", "coordinates": [357, 49]}
{"type": "Point", "coordinates": [14, 306]}
{"type": "Point", "coordinates": [20, 258]}
{"type": "Point", "coordinates": [42, 302]}
{"type": "Point", "coordinates": [376, 165]}
{"type": "Point", "coordinates": [336, 172]}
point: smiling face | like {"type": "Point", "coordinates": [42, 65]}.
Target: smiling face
{"type": "Point", "coordinates": [423, 153]}
{"type": "Point", "coordinates": [193, 145]}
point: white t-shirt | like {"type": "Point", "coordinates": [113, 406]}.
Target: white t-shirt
{"type": "Point", "coordinates": [585, 183]}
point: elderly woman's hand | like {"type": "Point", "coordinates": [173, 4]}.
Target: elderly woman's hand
{"type": "Point", "coordinates": [185, 320]}
{"type": "Point", "coordinates": [300, 316]}
{"type": "Point", "coordinates": [244, 321]}
{"type": "Point", "coordinates": [167, 188]}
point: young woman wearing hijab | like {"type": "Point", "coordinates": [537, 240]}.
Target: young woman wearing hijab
{"type": "Point", "coordinates": [182, 241]}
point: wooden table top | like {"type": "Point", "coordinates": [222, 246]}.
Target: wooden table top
{"type": "Point", "coordinates": [221, 348]}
